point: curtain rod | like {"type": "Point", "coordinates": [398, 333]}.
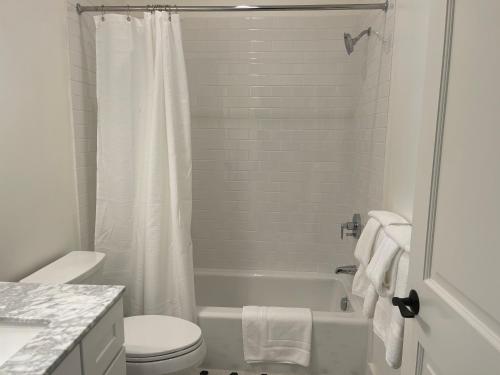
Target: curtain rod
{"type": "Point", "coordinates": [223, 8]}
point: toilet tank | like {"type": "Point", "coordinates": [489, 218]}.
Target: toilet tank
{"type": "Point", "coordinates": [76, 267]}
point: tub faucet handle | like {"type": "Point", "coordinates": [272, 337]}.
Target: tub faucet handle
{"type": "Point", "coordinates": [352, 228]}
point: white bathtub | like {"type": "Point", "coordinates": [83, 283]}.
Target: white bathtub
{"type": "Point", "coordinates": [339, 338]}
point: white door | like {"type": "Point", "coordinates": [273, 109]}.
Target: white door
{"type": "Point", "coordinates": [455, 264]}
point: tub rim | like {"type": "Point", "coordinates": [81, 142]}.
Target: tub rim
{"type": "Point", "coordinates": [344, 279]}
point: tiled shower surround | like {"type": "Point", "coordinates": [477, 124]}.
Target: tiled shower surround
{"type": "Point", "coordinates": [275, 116]}
{"type": "Point", "coordinates": [281, 133]}
{"type": "Point", "coordinates": [370, 118]}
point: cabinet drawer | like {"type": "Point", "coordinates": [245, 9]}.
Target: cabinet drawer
{"type": "Point", "coordinates": [119, 365]}
{"type": "Point", "coordinates": [103, 342]}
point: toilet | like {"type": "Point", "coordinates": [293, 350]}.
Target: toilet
{"type": "Point", "coordinates": [154, 344]}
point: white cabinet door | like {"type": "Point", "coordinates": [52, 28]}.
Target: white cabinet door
{"type": "Point", "coordinates": [456, 241]}
{"type": "Point", "coordinates": [118, 366]}
{"type": "Point", "coordinates": [71, 364]}
{"type": "Point", "coordinates": [103, 343]}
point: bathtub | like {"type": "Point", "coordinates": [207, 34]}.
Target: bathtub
{"type": "Point", "coordinates": [340, 338]}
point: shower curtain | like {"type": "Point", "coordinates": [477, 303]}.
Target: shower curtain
{"type": "Point", "coordinates": [144, 202]}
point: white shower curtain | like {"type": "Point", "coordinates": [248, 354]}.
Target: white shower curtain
{"type": "Point", "coordinates": [143, 214]}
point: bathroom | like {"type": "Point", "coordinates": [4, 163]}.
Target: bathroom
{"type": "Point", "coordinates": [164, 218]}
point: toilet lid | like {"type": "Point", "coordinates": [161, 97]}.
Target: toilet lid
{"type": "Point", "coordinates": [157, 335]}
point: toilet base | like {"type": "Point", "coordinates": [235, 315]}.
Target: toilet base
{"type": "Point", "coordinates": [173, 366]}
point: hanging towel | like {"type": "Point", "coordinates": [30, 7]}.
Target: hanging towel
{"type": "Point", "coordinates": [388, 324]}
{"type": "Point", "coordinates": [369, 239]}
{"type": "Point", "coordinates": [377, 275]}
{"type": "Point", "coordinates": [388, 218]}
{"type": "Point", "coordinates": [364, 246]}
{"type": "Point", "coordinates": [380, 272]}
{"type": "Point", "coordinates": [383, 266]}
{"type": "Point", "coordinates": [401, 234]}
{"type": "Point", "coordinates": [370, 301]}
{"type": "Point", "coordinates": [277, 334]}
{"type": "Point", "coordinates": [360, 282]}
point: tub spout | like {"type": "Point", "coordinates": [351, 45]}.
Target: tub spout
{"type": "Point", "coordinates": [350, 270]}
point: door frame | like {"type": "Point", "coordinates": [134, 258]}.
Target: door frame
{"type": "Point", "coordinates": [438, 61]}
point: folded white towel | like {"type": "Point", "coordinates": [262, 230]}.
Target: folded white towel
{"type": "Point", "coordinates": [383, 266]}
{"type": "Point", "coordinates": [388, 218]}
{"type": "Point", "coordinates": [364, 246]}
{"type": "Point", "coordinates": [277, 334]}
{"type": "Point", "coordinates": [388, 324]}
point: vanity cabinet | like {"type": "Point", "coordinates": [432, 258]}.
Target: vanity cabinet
{"type": "Point", "coordinates": [101, 350]}
{"type": "Point", "coordinates": [71, 364]}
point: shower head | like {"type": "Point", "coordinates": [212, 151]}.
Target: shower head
{"type": "Point", "coordinates": [350, 42]}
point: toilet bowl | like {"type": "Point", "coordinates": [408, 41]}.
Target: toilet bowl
{"type": "Point", "coordinates": [158, 345]}
{"type": "Point", "coordinates": [154, 344]}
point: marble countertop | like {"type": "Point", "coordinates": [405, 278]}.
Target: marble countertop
{"type": "Point", "coordinates": [67, 312]}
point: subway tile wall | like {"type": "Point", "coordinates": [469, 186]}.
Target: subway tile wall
{"type": "Point", "coordinates": [370, 118]}
{"type": "Point", "coordinates": [273, 102]}
{"type": "Point", "coordinates": [285, 145]}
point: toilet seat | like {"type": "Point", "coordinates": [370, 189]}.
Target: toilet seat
{"type": "Point", "coordinates": [162, 357]}
{"type": "Point", "coordinates": [158, 344]}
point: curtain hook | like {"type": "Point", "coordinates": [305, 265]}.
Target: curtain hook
{"type": "Point", "coordinates": [102, 13]}
{"type": "Point", "coordinates": [176, 9]}
{"type": "Point", "coordinates": [169, 13]}
{"type": "Point", "coordinates": [128, 13]}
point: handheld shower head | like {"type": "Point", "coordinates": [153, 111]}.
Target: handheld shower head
{"type": "Point", "coordinates": [350, 42]}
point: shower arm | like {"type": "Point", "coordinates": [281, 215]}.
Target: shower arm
{"type": "Point", "coordinates": [361, 34]}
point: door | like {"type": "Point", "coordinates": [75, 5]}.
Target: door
{"type": "Point", "coordinates": [455, 259]}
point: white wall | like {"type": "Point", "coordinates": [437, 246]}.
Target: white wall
{"type": "Point", "coordinates": [84, 110]}
{"type": "Point", "coordinates": [410, 44]}
{"type": "Point", "coordinates": [38, 215]}
{"type": "Point", "coordinates": [82, 52]}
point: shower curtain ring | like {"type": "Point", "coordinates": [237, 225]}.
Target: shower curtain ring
{"type": "Point", "coordinates": [176, 9]}
{"type": "Point", "coordinates": [169, 13]}
{"type": "Point", "coordinates": [102, 13]}
{"type": "Point", "coordinates": [128, 13]}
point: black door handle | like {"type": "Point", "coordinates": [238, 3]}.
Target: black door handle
{"type": "Point", "coordinates": [409, 306]}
